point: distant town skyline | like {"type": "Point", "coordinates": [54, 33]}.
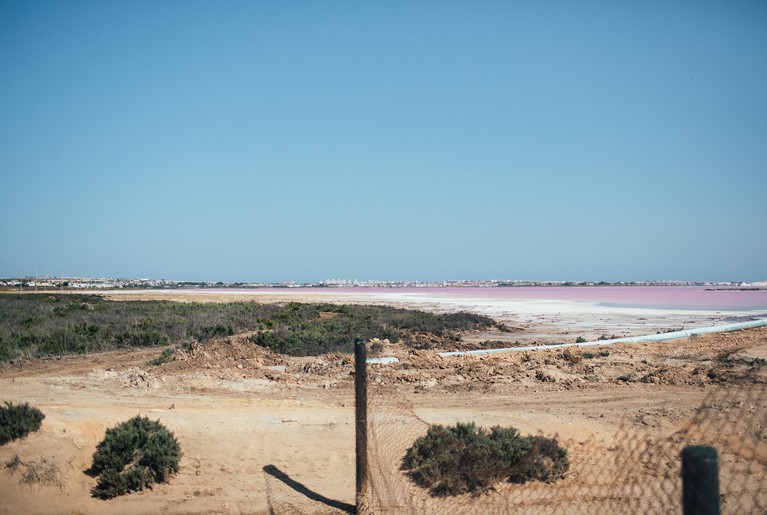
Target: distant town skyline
{"type": "Point", "coordinates": [44, 283]}
{"type": "Point", "coordinates": [274, 142]}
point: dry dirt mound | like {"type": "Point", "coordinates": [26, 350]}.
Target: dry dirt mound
{"type": "Point", "coordinates": [709, 359]}
{"type": "Point", "coordinates": [237, 354]}
{"type": "Point", "coordinates": [233, 352]}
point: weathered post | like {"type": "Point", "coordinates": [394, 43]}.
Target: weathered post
{"type": "Point", "coordinates": [700, 480]}
{"type": "Point", "coordinates": [361, 418]}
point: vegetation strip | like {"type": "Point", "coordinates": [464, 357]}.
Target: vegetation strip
{"type": "Point", "coordinates": [37, 325]}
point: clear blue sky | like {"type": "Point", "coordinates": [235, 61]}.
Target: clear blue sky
{"type": "Point", "coordinates": [271, 141]}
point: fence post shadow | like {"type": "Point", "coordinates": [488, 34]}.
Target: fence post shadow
{"type": "Point", "coordinates": [303, 490]}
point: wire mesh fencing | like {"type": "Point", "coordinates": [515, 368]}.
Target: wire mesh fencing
{"type": "Point", "coordinates": [637, 472]}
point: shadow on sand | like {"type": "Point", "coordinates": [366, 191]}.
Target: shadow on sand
{"type": "Point", "coordinates": [301, 489]}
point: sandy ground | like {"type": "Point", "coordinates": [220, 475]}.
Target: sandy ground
{"type": "Point", "coordinates": [262, 433]}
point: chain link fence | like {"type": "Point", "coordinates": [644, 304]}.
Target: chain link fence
{"type": "Point", "coordinates": [628, 466]}
{"type": "Point", "coordinates": [636, 473]}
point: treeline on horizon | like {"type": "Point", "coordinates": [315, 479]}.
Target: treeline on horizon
{"type": "Point", "coordinates": [36, 325]}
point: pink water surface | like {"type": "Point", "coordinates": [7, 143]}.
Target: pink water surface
{"type": "Point", "coordinates": [668, 297]}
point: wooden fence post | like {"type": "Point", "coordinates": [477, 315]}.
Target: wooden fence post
{"type": "Point", "coordinates": [700, 480]}
{"type": "Point", "coordinates": [361, 419]}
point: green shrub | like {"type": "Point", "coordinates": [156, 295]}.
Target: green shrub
{"type": "Point", "coordinates": [604, 353]}
{"type": "Point", "coordinates": [588, 355]}
{"type": "Point", "coordinates": [141, 339]}
{"type": "Point", "coordinates": [464, 458]}
{"type": "Point", "coordinates": [580, 339]}
{"type": "Point", "coordinates": [133, 456]}
{"type": "Point", "coordinates": [165, 357]}
{"type": "Point", "coordinates": [211, 332]}
{"type": "Point", "coordinates": [18, 421]}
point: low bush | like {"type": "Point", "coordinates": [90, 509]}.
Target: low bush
{"type": "Point", "coordinates": [17, 421]}
{"type": "Point", "coordinates": [133, 456]}
{"type": "Point", "coordinates": [588, 355]}
{"type": "Point", "coordinates": [464, 458]}
{"type": "Point", "coordinates": [211, 332]}
{"type": "Point", "coordinates": [141, 339]}
{"type": "Point", "coordinates": [165, 357]}
{"type": "Point", "coordinates": [604, 353]}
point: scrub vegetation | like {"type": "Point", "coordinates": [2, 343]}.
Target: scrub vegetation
{"type": "Point", "coordinates": [300, 330]}
{"type": "Point", "coordinates": [34, 325]}
{"type": "Point", "coordinates": [133, 456]}
{"type": "Point", "coordinates": [17, 421]}
{"type": "Point", "coordinates": [464, 458]}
